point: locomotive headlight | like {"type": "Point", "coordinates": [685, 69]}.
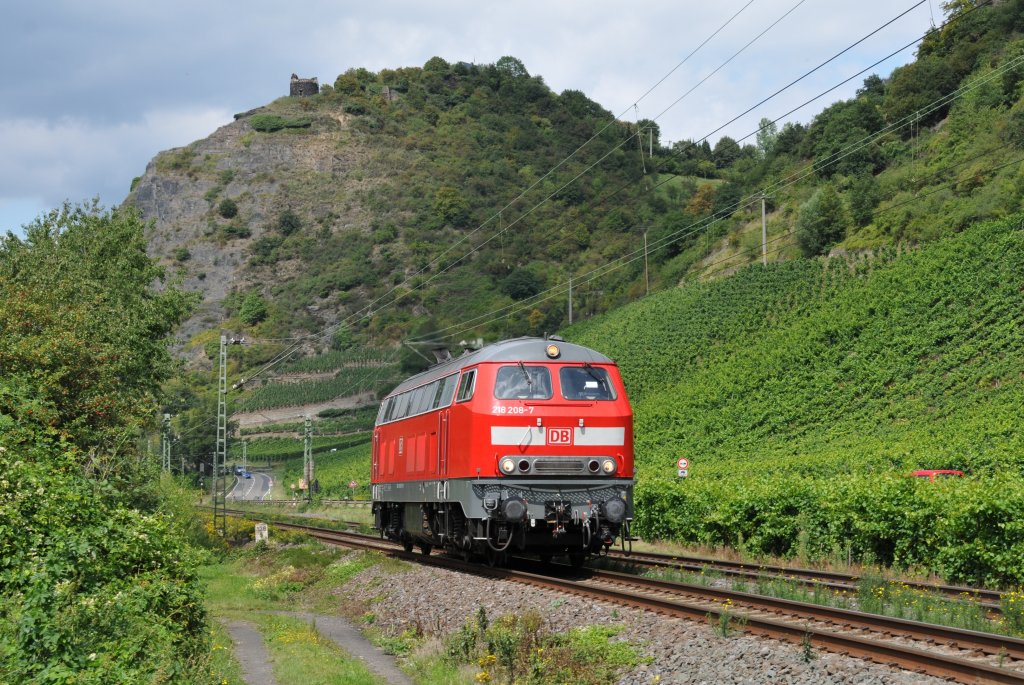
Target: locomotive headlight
{"type": "Point", "coordinates": [608, 466]}
{"type": "Point", "coordinates": [507, 465]}
{"type": "Point", "coordinates": [553, 351]}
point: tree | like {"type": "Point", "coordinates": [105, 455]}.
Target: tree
{"type": "Point", "coordinates": [511, 67]}
{"type": "Point", "coordinates": [521, 284]}
{"type": "Point", "coordinates": [767, 132]}
{"type": "Point", "coordinates": [822, 222]}
{"type": "Point", "coordinates": [790, 138]}
{"type": "Point", "coordinates": [82, 333]}
{"type": "Point", "coordinates": [450, 206]}
{"type": "Point", "coordinates": [914, 88]}
{"type": "Point", "coordinates": [702, 202]}
{"type": "Point", "coordinates": [839, 136]}
{"type": "Point", "coordinates": [726, 152]}
{"type": "Point", "coordinates": [873, 86]}
{"type": "Point", "coordinates": [864, 197]}
{"type": "Point", "coordinates": [89, 564]}
{"type": "Point", "coordinates": [436, 64]}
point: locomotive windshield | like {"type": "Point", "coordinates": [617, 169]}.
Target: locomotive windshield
{"type": "Point", "coordinates": [585, 383]}
{"type": "Point", "coordinates": [523, 383]}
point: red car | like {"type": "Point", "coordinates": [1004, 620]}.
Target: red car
{"type": "Point", "coordinates": [932, 474]}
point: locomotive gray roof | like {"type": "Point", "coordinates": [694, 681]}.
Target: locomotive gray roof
{"type": "Point", "coordinates": [515, 350]}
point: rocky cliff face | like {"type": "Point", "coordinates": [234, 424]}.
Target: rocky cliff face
{"type": "Point", "coordinates": [204, 240]}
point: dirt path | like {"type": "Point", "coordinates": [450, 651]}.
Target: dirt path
{"type": "Point", "coordinates": [251, 653]}
{"type": "Point", "coordinates": [280, 414]}
{"type": "Point", "coordinates": [351, 640]}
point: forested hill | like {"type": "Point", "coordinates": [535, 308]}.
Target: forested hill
{"type": "Point", "coordinates": [463, 189]}
{"type": "Point", "coordinates": [318, 206]}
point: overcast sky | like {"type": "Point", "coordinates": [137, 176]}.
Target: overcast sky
{"type": "Point", "coordinates": [91, 91]}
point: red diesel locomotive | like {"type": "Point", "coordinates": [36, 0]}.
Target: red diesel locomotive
{"type": "Point", "coordinates": [525, 445]}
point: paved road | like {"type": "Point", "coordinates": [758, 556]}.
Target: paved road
{"type": "Point", "coordinates": [256, 487]}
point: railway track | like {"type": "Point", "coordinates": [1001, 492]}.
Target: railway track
{"type": "Point", "coordinates": [960, 655]}
{"type": "Point", "coordinates": [833, 580]}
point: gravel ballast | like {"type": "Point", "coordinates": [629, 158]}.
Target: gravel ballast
{"type": "Point", "coordinates": [438, 602]}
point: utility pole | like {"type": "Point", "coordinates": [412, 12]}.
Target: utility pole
{"type": "Point", "coordinates": [307, 458]}
{"type": "Point", "coordinates": [165, 443]}
{"type": "Point", "coordinates": [220, 458]}
{"type": "Point", "coordinates": [764, 234]}
{"type": "Point", "coordinates": [764, 229]}
{"type": "Point", "coordinates": [570, 299]}
{"type": "Point", "coordinates": [647, 274]}
{"type": "Point", "coordinates": [245, 445]}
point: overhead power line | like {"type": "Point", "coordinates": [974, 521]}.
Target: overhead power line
{"type": "Point", "coordinates": [372, 306]}
{"type": "Point", "coordinates": [707, 222]}
{"type": "Point", "coordinates": [733, 120]}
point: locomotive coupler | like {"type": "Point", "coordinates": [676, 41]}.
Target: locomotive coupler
{"type": "Point", "coordinates": [557, 513]}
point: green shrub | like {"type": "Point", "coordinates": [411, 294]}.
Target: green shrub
{"type": "Point", "coordinates": [288, 222]}
{"type": "Point", "coordinates": [235, 230]}
{"type": "Point", "coordinates": [227, 208]}
{"type": "Point", "coordinates": [521, 648]}
{"type": "Point", "coordinates": [253, 309]}
{"type": "Point", "coordinates": [267, 123]}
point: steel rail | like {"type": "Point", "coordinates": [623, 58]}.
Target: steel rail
{"type": "Point", "coordinates": [971, 640]}
{"type": "Point", "coordinates": [834, 579]}
{"type": "Point", "coordinates": [910, 658]}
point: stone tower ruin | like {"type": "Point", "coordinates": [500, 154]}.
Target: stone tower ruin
{"type": "Point", "coordinates": [303, 87]}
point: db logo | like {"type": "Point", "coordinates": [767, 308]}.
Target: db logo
{"type": "Point", "coordinates": [559, 436]}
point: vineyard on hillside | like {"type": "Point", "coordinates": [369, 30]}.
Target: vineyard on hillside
{"type": "Point", "coordinates": [276, 450]}
{"type": "Point", "coordinates": [372, 377]}
{"type": "Point", "coordinates": [335, 470]}
{"type": "Point", "coordinates": [804, 394]}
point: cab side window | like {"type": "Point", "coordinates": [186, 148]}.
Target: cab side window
{"type": "Point", "coordinates": [466, 386]}
{"type": "Point", "coordinates": [446, 391]}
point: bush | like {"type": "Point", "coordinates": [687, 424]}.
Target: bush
{"type": "Point", "coordinates": [267, 123]}
{"type": "Point", "coordinates": [288, 222]}
{"type": "Point", "coordinates": [235, 230]}
{"type": "Point", "coordinates": [227, 208]}
{"type": "Point", "coordinates": [518, 648]}
{"type": "Point", "coordinates": [253, 310]}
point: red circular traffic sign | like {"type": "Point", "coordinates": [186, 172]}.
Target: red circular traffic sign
{"type": "Point", "coordinates": [683, 463]}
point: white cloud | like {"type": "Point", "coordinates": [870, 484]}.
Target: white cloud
{"type": "Point", "coordinates": [73, 159]}
{"type": "Point", "coordinates": [88, 95]}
